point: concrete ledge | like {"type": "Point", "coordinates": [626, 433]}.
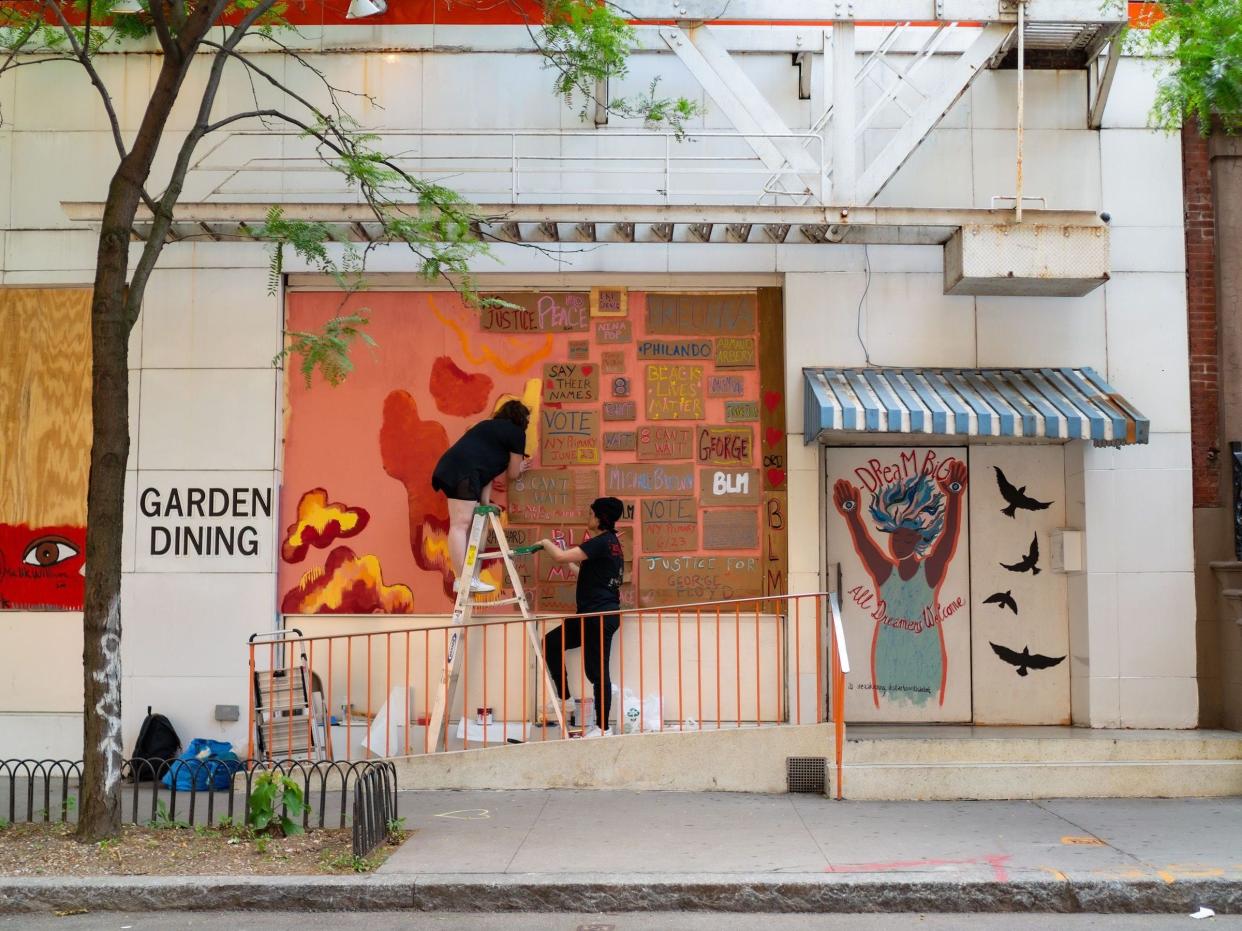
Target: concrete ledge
{"type": "Point", "coordinates": [588, 892]}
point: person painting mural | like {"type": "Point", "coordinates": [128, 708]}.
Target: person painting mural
{"type": "Point", "coordinates": [599, 564]}
{"type": "Point", "coordinates": [464, 475]}
{"type": "Point", "coordinates": [908, 659]}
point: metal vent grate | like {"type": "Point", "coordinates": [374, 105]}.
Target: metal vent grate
{"type": "Point", "coordinates": [808, 774]}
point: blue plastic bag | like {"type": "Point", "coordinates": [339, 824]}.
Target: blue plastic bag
{"type": "Point", "coordinates": [204, 764]}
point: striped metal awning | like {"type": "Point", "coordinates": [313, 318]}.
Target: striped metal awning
{"type": "Point", "coordinates": [1046, 404]}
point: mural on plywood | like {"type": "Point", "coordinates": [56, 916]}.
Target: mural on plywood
{"type": "Point", "coordinates": [367, 533]}
{"type": "Point", "coordinates": [903, 514]}
{"type": "Point", "coordinates": [45, 442]}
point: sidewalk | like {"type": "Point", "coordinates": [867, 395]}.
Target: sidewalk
{"type": "Point", "coordinates": [578, 850]}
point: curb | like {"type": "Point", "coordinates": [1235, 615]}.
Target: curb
{"type": "Point", "coordinates": [590, 892]}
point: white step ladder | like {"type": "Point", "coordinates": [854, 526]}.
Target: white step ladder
{"type": "Point", "coordinates": [487, 518]}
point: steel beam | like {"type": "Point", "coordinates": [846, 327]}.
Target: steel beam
{"type": "Point", "coordinates": [828, 11]}
{"type": "Point", "coordinates": [844, 123]}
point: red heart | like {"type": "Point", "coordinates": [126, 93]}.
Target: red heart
{"type": "Point", "coordinates": [772, 400]}
{"type": "Point", "coordinates": [551, 383]}
{"type": "Point", "coordinates": [586, 369]}
{"type": "Point", "coordinates": [773, 435]}
{"type": "Point", "coordinates": [776, 477]}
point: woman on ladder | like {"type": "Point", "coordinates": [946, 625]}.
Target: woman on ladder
{"type": "Point", "coordinates": [465, 473]}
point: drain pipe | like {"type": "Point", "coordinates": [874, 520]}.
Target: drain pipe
{"type": "Point", "coordinates": [1021, 101]}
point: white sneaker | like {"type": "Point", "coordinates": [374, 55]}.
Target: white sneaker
{"type": "Point", "coordinates": [476, 587]}
{"type": "Point", "coordinates": [596, 732]}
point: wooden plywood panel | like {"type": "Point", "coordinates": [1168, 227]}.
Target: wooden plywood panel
{"type": "Point", "coordinates": [45, 406]}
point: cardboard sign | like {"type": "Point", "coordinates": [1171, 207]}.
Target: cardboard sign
{"type": "Point", "coordinates": [549, 569]}
{"type": "Point", "coordinates": [674, 392]}
{"type": "Point", "coordinates": [729, 486]}
{"type": "Point", "coordinates": [664, 580]}
{"type": "Point", "coordinates": [579, 350]}
{"type": "Point", "coordinates": [620, 410]}
{"type": "Point", "coordinates": [568, 436]}
{"type": "Point", "coordinates": [527, 566]}
{"type": "Point", "coordinates": [620, 441]}
{"type": "Point", "coordinates": [657, 442]}
{"type": "Point", "coordinates": [621, 386]}
{"type": "Point", "coordinates": [628, 478]}
{"type": "Point", "coordinates": [735, 352]}
{"type": "Point", "coordinates": [614, 331]}
{"type": "Point", "coordinates": [570, 383]}
{"type": "Point", "coordinates": [684, 350]}
{"type": "Point", "coordinates": [609, 302]}
{"type": "Point", "coordinates": [614, 362]}
{"type": "Point", "coordinates": [669, 525]}
{"type": "Point", "coordinates": [725, 445]}
{"type": "Point", "coordinates": [557, 598]}
{"type": "Point", "coordinates": [725, 386]}
{"type": "Point", "coordinates": [701, 314]}
{"type": "Point", "coordinates": [553, 496]}
{"type": "Point", "coordinates": [734, 529]}
{"type": "Point", "coordinates": [559, 312]}
{"type": "Point", "coordinates": [741, 411]}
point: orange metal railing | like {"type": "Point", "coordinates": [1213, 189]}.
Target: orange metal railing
{"type": "Point", "coordinates": [706, 666]}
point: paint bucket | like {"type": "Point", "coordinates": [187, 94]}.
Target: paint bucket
{"type": "Point", "coordinates": [483, 716]}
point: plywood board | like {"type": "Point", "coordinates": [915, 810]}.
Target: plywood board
{"type": "Point", "coordinates": [669, 525]}
{"type": "Point", "coordinates": [701, 314]}
{"type": "Point", "coordinates": [543, 312]}
{"type": "Point", "coordinates": [730, 446]}
{"type": "Point", "coordinates": [665, 580]}
{"type": "Point", "coordinates": [609, 302]}
{"type": "Point", "coordinates": [675, 350]}
{"type": "Point", "coordinates": [570, 383]}
{"type": "Point", "coordinates": [724, 486]}
{"type": "Point", "coordinates": [568, 436]}
{"type": "Point", "coordinates": [735, 352]}
{"type": "Point", "coordinates": [772, 420]}
{"type": "Point", "coordinates": [628, 478]}
{"type": "Point", "coordinates": [674, 392]}
{"type": "Point", "coordinates": [614, 331]}
{"type": "Point", "coordinates": [731, 529]}
{"type": "Point", "coordinates": [658, 442]}
{"type": "Point", "coordinates": [775, 543]}
{"type": "Point", "coordinates": [553, 496]}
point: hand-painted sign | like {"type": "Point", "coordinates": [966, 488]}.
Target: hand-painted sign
{"type": "Point", "coordinates": [568, 436]}
{"type": "Point", "coordinates": [685, 350]}
{"type": "Point", "coordinates": [725, 445]}
{"type": "Point", "coordinates": [620, 410]}
{"type": "Point", "coordinates": [669, 525]}
{"type": "Point", "coordinates": [553, 496]}
{"type": "Point", "coordinates": [579, 350]}
{"type": "Point", "coordinates": [741, 411]}
{"type": "Point", "coordinates": [728, 486]}
{"type": "Point", "coordinates": [659, 442]}
{"type": "Point", "coordinates": [725, 386]}
{"type": "Point", "coordinates": [674, 392]}
{"type": "Point", "coordinates": [608, 302]}
{"type": "Point", "coordinates": [620, 441]}
{"type": "Point", "coordinates": [559, 312]}
{"type": "Point", "coordinates": [701, 314]}
{"type": "Point", "coordinates": [735, 352]}
{"type": "Point", "coordinates": [666, 580]}
{"type": "Point", "coordinates": [627, 478]}
{"type": "Point", "coordinates": [570, 383]}
{"type": "Point", "coordinates": [614, 331]}
{"type": "Point", "coordinates": [614, 362]}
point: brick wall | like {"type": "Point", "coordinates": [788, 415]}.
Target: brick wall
{"type": "Point", "coordinates": [1200, 220]}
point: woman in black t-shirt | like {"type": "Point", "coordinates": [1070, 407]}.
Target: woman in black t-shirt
{"type": "Point", "coordinates": [599, 564]}
{"type": "Point", "coordinates": [466, 471]}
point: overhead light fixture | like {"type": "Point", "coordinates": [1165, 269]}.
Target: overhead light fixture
{"type": "Point", "coordinates": [359, 9]}
{"type": "Point", "coordinates": [127, 6]}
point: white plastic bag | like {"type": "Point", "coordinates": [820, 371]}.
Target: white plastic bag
{"type": "Point", "coordinates": [631, 711]}
{"type": "Point", "coordinates": [652, 716]}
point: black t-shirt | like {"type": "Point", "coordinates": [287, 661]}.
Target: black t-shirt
{"type": "Point", "coordinates": [599, 577]}
{"type": "Point", "coordinates": [482, 452]}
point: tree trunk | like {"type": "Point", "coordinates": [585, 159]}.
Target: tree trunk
{"type": "Point", "coordinates": [100, 814]}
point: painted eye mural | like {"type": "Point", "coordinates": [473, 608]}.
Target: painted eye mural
{"type": "Point", "coordinates": [42, 568]}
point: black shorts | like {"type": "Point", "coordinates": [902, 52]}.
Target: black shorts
{"type": "Point", "coordinates": [466, 488]}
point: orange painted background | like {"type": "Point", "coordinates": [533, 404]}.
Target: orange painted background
{"type": "Point", "coordinates": [362, 530]}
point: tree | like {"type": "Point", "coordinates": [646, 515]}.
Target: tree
{"type": "Point", "coordinates": [581, 40]}
{"type": "Point", "coordinates": [1201, 41]}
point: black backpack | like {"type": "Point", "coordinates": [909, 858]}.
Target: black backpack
{"type": "Point", "coordinates": [157, 746]}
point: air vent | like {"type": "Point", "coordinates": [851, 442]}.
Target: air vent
{"type": "Point", "coordinates": [807, 774]}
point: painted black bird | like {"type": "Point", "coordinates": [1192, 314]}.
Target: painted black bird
{"type": "Point", "coordinates": [1002, 600]}
{"type": "Point", "coordinates": [1016, 497]}
{"type": "Point", "coordinates": [1030, 561]}
{"type": "Point", "coordinates": [1025, 660]}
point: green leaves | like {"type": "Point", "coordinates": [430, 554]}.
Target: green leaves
{"type": "Point", "coordinates": [1202, 77]}
{"type": "Point", "coordinates": [276, 805]}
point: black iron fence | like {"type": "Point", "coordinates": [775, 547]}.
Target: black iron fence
{"type": "Point", "coordinates": [375, 808]}
{"type": "Point", "coordinates": [48, 790]}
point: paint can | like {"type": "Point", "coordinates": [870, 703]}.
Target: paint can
{"type": "Point", "coordinates": [483, 716]}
